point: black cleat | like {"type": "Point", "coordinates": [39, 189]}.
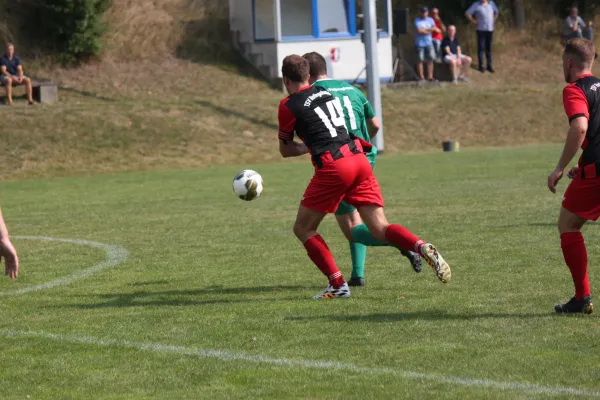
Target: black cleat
{"type": "Point", "coordinates": [356, 282]}
{"type": "Point", "coordinates": [491, 69]}
{"type": "Point", "coordinates": [414, 258]}
{"type": "Point", "coordinates": [584, 306]}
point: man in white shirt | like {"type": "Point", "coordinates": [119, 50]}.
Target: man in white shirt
{"type": "Point", "coordinates": [576, 28]}
{"type": "Point", "coordinates": [483, 13]}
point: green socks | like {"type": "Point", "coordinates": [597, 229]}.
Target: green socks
{"type": "Point", "coordinates": [361, 234]}
{"type": "Point", "coordinates": [358, 252]}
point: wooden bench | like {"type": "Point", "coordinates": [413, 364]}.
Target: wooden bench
{"type": "Point", "coordinates": [42, 91]}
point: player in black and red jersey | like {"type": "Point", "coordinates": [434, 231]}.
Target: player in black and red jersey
{"type": "Point", "coordinates": [342, 172]}
{"type": "Point", "coordinates": [581, 99]}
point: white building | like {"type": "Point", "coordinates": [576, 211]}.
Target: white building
{"type": "Point", "coordinates": [266, 31]}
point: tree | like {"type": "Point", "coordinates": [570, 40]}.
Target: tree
{"type": "Point", "coordinates": [518, 14]}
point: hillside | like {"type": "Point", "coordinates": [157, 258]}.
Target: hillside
{"type": "Point", "coordinates": [169, 95]}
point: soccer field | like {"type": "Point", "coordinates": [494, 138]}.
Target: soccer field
{"type": "Point", "coordinates": [170, 287]}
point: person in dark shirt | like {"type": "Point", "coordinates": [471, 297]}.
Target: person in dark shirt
{"type": "Point", "coordinates": [459, 63]}
{"type": "Point", "coordinates": [11, 71]}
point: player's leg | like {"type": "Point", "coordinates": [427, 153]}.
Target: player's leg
{"type": "Point", "coordinates": [366, 196]}
{"type": "Point", "coordinates": [359, 236]}
{"type": "Point", "coordinates": [322, 196]}
{"type": "Point", "coordinates": [305, 229]}
{"type": "Point", "coordinates": [347, 218]}
{"type": "Point", "coordinates": [575, 255]}
{"type": "Point", "coordinates": [404, 239]}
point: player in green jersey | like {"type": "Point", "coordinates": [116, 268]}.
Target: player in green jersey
{"type": "Point", "coordinates": [361, 122]}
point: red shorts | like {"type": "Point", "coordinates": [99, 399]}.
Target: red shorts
{"type": "Point", "coordinates": [582, 198]}
{"type": "Point", "coordinates": [349, 178]}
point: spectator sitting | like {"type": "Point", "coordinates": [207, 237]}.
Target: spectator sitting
{"type": "Point", "coordinates": [424, 26]}
{"type": "Point", "coordinates": [12, 74]}
{"type": "Point", "coordinates": [459, 63]}
{"type": "Point", "coordinates": [438, 34]}
{"type": "Point", "coordinates": [576, 28]}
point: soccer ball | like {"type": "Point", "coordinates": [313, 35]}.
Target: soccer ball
{"type": "Point", "coordinates": [248, 185]}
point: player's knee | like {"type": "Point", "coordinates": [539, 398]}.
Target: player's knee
{"type": "Point", "coordinates": [379, 233]}
{"type": "Point", "coordinates": [378, 229]}
{"type": "Point", "coordinates": [299, 230]}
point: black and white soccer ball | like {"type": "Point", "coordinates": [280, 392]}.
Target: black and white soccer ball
{"type": "Point", "coordinates": [248, 185]}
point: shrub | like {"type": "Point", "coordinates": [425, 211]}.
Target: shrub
{"type": "Point", "coordinates": [72, 28]}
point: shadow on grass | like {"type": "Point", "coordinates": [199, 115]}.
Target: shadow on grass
{"type": "Point", "coordinates": [230, 112]}
{"type": "Point", "coordinates": [434, 315]}
{"type": "Point", "coordinates": [85, 94]}
{"type": "Point", "coordinates": [174, 297]}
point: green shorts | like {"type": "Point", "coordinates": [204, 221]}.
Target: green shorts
{"type": "Point", "coordinates": [345, 208]}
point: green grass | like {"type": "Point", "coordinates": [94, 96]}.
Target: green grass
{"type": "Point", "coordinates": [207, 271]}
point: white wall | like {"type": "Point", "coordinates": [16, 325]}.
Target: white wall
{"type": "Point", "coordinates": [351, 60]}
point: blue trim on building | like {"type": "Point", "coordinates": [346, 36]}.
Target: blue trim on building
{"type": "Point", "coordinates": [315, 17]}
{"type": "Point", "coordinates": [351, 13]}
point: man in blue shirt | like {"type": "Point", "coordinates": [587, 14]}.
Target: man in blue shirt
{"type": "Point", "coordinates": [483, 13]}
{"type": "Point", "coordinates": [424, 27]}
{"type": "Point", "coordinates": [11, 74]}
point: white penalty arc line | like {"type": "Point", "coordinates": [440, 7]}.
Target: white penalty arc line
{"type": "Point", "coordinates": [225, 355]}
{"type": "Point", "coordinates": [115, 255]}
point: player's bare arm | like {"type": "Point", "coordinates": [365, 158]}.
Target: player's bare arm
{"type": "Point", "coordinates": [290, 148]}
{"type": "Point", "coordinates": [5, 72]}
{"type": "Point", "coordinates": [8, 252]}
{"type": "Point", "coordinates": [373, 126]}
{"type": "Point", "coordinates": [575, 138]}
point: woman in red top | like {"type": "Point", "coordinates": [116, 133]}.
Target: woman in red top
{"type": "Point", "coordinates": [438, 34]}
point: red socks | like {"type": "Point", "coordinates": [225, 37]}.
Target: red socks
{"type": "Point", "coordinates": [575, 253]}
{"type": "Point", "coordinates": [320, 254]}
{"type": "Point", "coordinates": [402, 238]}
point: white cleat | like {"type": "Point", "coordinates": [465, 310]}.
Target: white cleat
{"type": "Point", "coordinates": [436, 262]}
{"type": "Point", "coordinates": [332, 293]}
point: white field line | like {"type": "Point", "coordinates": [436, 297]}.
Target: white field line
{"type": "Point", "coordinates": [225, 355]}
{"type": "Point", "coordinates": [115, 255]}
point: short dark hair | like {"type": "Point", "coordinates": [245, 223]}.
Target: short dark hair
{"type": "Point", "coordinates": [295, 68]}
{"type": "Point", "coordinates": [582, 50]}
{"type": "Point", "coordinates": [318, 65]}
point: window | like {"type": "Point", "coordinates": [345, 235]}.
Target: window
{"type": "Point", "coordinates": [296, 18]}
{"type": "Point", "coordinates": [333, 16]}
{"type": "Point", "coordinates": [308, 19]}
{"type": "Point", "coordinates": [382, 15]}
{"type": "Point", "coordinates": [264, 20]}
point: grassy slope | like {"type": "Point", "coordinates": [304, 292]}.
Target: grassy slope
{"type": "Point", "coordinates": [127, 116]}
{"type": "Point", "coordinates": [209, 271]}
{"type": "Point", "coordinates": [134, 112]}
